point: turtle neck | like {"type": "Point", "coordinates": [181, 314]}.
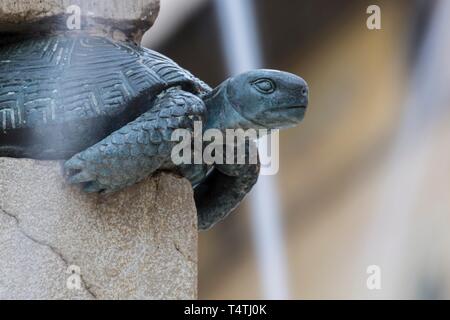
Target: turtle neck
{"type": "Point", "coordinates": [221, 114]}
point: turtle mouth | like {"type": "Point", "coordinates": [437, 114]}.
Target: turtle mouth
{"type": "Point", "coordinates": [300, 107]}
{"type": "Point", "coordinates": [287, 116]}
{"type": "Point", "coordinates": [288, 108]}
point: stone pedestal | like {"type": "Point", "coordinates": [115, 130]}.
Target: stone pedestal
{"type": "Point", "coordinates": [59, 243]}
{"type": "Point", "coordinates": [115, 18]}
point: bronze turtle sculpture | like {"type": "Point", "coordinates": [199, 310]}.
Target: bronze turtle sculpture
{"type": "Point", "coordinates": [109, 109]}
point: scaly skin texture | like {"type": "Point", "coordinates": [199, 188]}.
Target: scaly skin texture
{"type": "Point", "coordinates": [138, 149]}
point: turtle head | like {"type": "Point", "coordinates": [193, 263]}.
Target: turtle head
{"type": "Point", "coordinates": [267, 99]}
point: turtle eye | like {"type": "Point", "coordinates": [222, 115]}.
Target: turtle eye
{"type": "Point", "coordinates": [264, 86]}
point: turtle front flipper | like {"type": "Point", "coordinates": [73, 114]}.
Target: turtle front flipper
{"type": "Point", "coordinates": [222, 191]}
{"type": "Point", "coordinates": [138, 149]}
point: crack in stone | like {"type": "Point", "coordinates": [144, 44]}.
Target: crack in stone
{"type": "Point", "coordinates": [185, 256]}
{"type": "Point", "coordinates": [52, 248]}
{"type": "Point", "coordinates": [157, 187]}
{"type": "Point", "coordinates": [156, 193]}
{"type": "Point", "coordinates": [10, 215]}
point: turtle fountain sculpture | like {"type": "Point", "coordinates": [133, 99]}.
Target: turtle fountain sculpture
{"type": "Point", "coordinates": [109, 108]}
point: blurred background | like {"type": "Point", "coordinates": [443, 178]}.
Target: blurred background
{"type": "Point", "coordinates": [365, 180]}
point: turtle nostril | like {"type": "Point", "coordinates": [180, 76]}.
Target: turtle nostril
{"type": "Point", "coordinates": [304, 92]}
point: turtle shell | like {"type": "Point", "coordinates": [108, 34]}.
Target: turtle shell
{"type": "Point", "coordinates": [61, 94]}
